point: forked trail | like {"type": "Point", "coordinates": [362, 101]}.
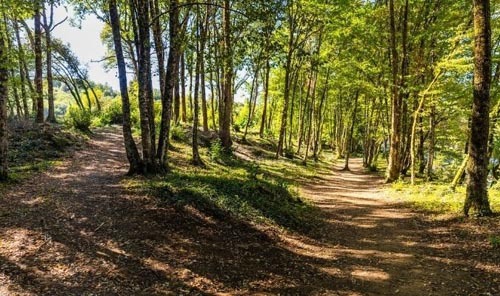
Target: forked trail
{"type": "Point", "coordinates": [78, 230]}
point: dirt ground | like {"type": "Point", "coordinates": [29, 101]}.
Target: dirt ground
{"type": "Point", "coordinates": [77, 230]}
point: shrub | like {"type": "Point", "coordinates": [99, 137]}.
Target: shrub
{"type": "Point", "coordinates": [216, 151]}
{"type": "Point", "coordinates": [495, 241]}
{"type": "Point", "coordinates": [178, 133]}
{"type": "Point", "coordinates": [79, 119]}
{"type": "Point", "coordinates": [289, 153]}
{"type": "Point", "coordinates": [112, 113]}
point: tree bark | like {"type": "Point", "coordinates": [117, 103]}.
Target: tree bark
{"type": "Point", "coordinates": [393, 169]}
{"type": "Point", "coordinates": [172, 75]}
{"type": "Point", "coordinates": [477, 168]}
{"type": "Point", "coordinates": [132, 152]}
{"type": "Point", "coordinates": [47, 25]}
{"type": "Point", "coordinates": [140, 19]}
{"type": "Point", "coordinates": [38, 64]}
{"type": "Point", "coordinates": [266, 97]}
{"type": "Point", "coordinates": [227, 93]}
{"type": "Point", "coordinates": [22, 74]}
{"type": "Point", "coordinates": [4, 96]}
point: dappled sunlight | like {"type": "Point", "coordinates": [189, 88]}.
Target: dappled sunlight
{"type": "Point", "coordinates": [100, 233]}
{"type": "Point", "coordinates": [370, 274]}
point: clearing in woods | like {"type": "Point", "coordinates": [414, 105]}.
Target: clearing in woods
{"type": "Point", "coordinates": [77, 230]}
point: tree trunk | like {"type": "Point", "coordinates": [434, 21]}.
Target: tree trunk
{"type": "Point", "coordinates": [4, 96]}
{"type": "Point", "coordinates": [351, 133]}
{"type": "Point", "coordinates": [132, 152]}
{"type": "Point", "coordinates": [172, 75]}
{"type": "Point", "coordinates": [38, 64]}
{"type": "Point", "coordinates": [477, 168]}
{"type": "Point", "coordinates": [140, 17]}
{"type": "Point", "coordinates": [200, 44]}
{"type": "Point", "coordinates": [51, 117]}
{"type": "Point", "coordinates": [227, 93]}
{"type": "Point", "coordinates": [183, 88]}
{"type": "Point", "coordinates": [22, 74]}
{"type": "Point", "coordinates": [393, 169]}
{"type": "Point", "coordinates": [158, 43]}
{"type": "Point", "coordinates": [203, 36]}
{"type": "Point", "coordinates": [266, 97]}
{"type": "Point", "coordinates": [432, 143]}
{"type": "Point", "coordinates": [286, 95]}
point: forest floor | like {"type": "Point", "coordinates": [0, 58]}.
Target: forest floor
{"type": "Point", "coordinates": [77, 229]}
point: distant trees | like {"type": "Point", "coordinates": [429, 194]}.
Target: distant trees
{"type": "Point", "coordinates": [385, 80]}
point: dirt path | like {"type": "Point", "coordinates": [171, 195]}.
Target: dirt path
{"type": "Point", "coordinates": [78, 230]}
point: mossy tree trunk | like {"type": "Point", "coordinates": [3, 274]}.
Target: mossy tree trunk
{"type": "Point", "coordinates": [393, 169]}
{"type": "Point", "coordinates": [477, 168]}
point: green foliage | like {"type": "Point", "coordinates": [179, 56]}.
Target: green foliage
{"type": "Point", "coordinates": [112, 113]}
{"type": "Point", "coordinates": [216, 151]}
{"type": "Point", "coordinates": [436, 198]}
{"type": "Point", "coordinates": [79, 119]}
{"type": "Point", "coordinates": [178, 133]}
{"type": "Point", "coordinates": [495, 241]}
{"type": "Point", "coordinates": [225, 194]}
{"type": "Point", "coordinates": [36, 148]}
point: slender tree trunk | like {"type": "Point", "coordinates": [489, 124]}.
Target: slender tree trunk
{"type": "Point", "coordinates": [252, 101]}
{"type": "Point", "coordinates": [38, 64]}
{"type": "Point", "coordinates": [286, 95]}
{"type": "Point", "coordinates": [227, 99]}
{"type": "Point", "coordinates": [196, 106]}
{"type": "Point", "coordinates": [203, 36]}
{"type": "Point", "coordinates": [4, 96]}
{"type": "Point", "coordinates": [172, 75]}
{"type": "Point", "coordinates": [351, 133]}
{"type": "Point", "coordinates": [47, 25]}
{"type": "Point", "coordinates": [317, 138]}
{"type": "Point", "coordinates": [183, 88]}
{"type": "Point", "coordinates": [314, 76]}
{"type": "Point", "coordinates": [432, 143]}
{"type": "Point", "coordinates": [212, 101]}
{"type": "Point", "coordinates": [130, 146]}
{"type": "Point", "coordinates": [22, 74]}
{"type": "Point", "coordinates": [477, 168]}
{"type": "Point", "coordinates": [266, 97]}
{"type": "Point", "coordinates": [140, 20]}
{"type": "Point", "coordinates": [393, 169]}
{"type": "Point", "coordinates": [156, 29]}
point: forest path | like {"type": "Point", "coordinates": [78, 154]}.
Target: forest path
{"type": "Point", "coordinates": [78, 229]}
{"type": "Point", "coordinates": [385, 248]}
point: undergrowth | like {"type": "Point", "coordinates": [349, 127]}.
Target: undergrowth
{"type": "Point", "coordinates": [259, 191]}
{"type": "Point", "coordinates": [437, 198]}
{"type": "Point", "coordinates": [34, 148]}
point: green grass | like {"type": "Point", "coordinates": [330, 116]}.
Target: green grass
{"type": "Point", "coordinates": [437, 198]}
{"type": "Point", "coordinates": [261, 190]}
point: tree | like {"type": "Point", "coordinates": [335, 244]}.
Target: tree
{"type": "Point", "coordinates": [48, 26]}
{"type": "Point", "coordinates": [226, 104]}
{"type": "Point", "coordinates": [394, 167]}
{"type": "Point", "coordinates": [38, 62]}
{"type": "Point", "coordinates": [477, 168]}
{"type": "Point", "coordinates": [130, 146]}
{"type": "Point", "coordinates": [172, 75]}
{"type": "Point", "coordinates": [4, 96]}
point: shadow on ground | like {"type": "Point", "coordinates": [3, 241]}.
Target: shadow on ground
{"type": "Point", "coordinates": [76, 230]}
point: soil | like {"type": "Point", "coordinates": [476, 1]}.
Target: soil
{"type": "Point", "coordinates": [77, 230]}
